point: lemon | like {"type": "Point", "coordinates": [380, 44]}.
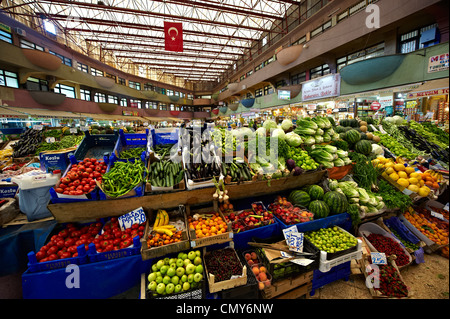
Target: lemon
{"type": "Point", "coordinates": [402, 174]}
{"type": "Point", "coordinates": [403, 182]}
{"type": "Point", "coordinates": [413, 188]}
{"type": "Point", "coordinates": [394, 176]}
{"type": "Point", "coordinates": [390, 170]}
{"type": "Point", "coordinates": [424, 191]}
{"type": "Point", "coordinates": [399, 167]}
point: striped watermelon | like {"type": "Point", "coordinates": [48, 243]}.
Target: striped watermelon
{"type": "Point", "coordinates": [315, 192]}
{"type": "Point", "coordinates": [337, 202]}
{"type": "Point", "coordinates": [300, 198]}
{"type": "Point", "coordinates": [319, 208]}
{"type": "Point", "coordinates": [363, 147]}
{"type": "Point", "coordinates": [352, 136]}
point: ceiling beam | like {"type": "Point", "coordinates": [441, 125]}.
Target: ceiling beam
{"type": "Point", "coordinates": [180, 54]}
{"type": "Point", "coordinates": [194, 66]}
{"type": "Point", "coordinates": [122, 35]}
{"type": "Point", "coordinates": [140, 44]}
{"type": "Point", "coordinates": [108, 8]}
{"type": "Point", "coordinates": [169, 59]}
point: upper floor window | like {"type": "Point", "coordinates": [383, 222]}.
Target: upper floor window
{"type": "Point", "coordinates": [30, 45]}
{"type": "Point", "coordinates": [258, 92]}
{"type": "Point", "coordinates": [64, 59]}
{"type": "Point", "coordinates": [134, 85]}
{"type": "Point", "coordinates": [113, 99]}
{"type": "Point", "coordinates": [374, 51]}
{"type": "Point", "coordinates": [298, 78]}
{"type": "Point", "coordinates": [268, 90]}
{"type": "Point", "coordinates": [69, 91]}
{"type": "Point", "coordinates": [35, 84]}
{"type": "Point", "coordinates": [136, 103]}
{"type": "Point", "coordinates": [122, 81]}
{"type": "Point", "coordinates": [96, 72]}
{"type": "Point", "coordinates": [83, 67]}
{"type": "Point", "coordinates": [99, 97]}
{"type": "Point", "coordinates": [5, 33]}
{"type": "Point", "coordinates": [320, 71]}
{"type": "Point", "coordinates": [9, 79]}
{"type": "Point", "coordinates": [123, 102]}
{"type": "Point", "coordinates": [410, 41]}
{"type": "Point", "coordinates": [85, 94]}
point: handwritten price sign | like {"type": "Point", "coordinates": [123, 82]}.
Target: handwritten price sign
{"type": "Point", "coordinates": [378, 258]}
{"type": "Point", "coordinates": [137, 216]}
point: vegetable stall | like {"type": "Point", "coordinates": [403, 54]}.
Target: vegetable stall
{"type": "Point", "coordinates": [198, 214]}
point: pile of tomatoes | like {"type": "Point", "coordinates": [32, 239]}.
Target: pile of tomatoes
{"type": "Point", "coordinates": [81, 178]}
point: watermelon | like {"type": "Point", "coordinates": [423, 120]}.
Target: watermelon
{"type": "Point", "coordinates": [363, 147]}
{"type": "Point", "coordinates": [315, 192]}
{"type": "Point", "coordinates": [364, 136]}
{"type": "Point", "coordinates": [336, 201]}
{"type": "Point", "coordinates": [352, 136]}
{"type": "Point", "coordinates": [319, 208]}
{"type": "Point", "coordinates": [300, 198]}
{"type": "Point", "coordinates": [339, 129]}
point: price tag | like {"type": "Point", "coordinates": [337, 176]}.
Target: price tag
{"type": "Point", "coordinates": [302, 261]}
{"type": "Point", "coordinates": [288, 231]}
{"type": "Point", "coordinates": [437, 215]}
{"type": "Point", "coordinates": [50, 139]}
{"type": "Point", "coordinates": [295, 242]}
{"type": "Point", "coordinates": [38, 127]}
{"type": "Point", "coordinates": [378, 258]}
{"type": "Point", "coordinates": [73, 130]}
{"type": "Point", "coordinates": [84, 128]}
{"type": "Point", "coordinates": [137, 216]}
{"type": "Point", "coordinates": [145, 123]}
{"type": "Point", "coordinates": [446, 207]}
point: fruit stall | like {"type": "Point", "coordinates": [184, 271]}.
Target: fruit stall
{"type": "Point", "coordinates": [167, 214]}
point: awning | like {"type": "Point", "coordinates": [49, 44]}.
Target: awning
{"type": "Point", "coordinates": [162, 119]}
{"type": "Point", "coordinates": [379, 92]}
{"type": "Point", "coordinates": [5, 112]}
{"type": "Point", "coordinates": [44, 113]}
{"type": "Point", "coordinates": [430, 88]}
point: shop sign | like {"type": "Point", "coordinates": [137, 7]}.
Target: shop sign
{"type": "Point", "coordinates": [343, 109]}
{"type": "Point", "coordinates": [5, 27]}
{"type": "Point", "coordinates": [130, 113]}
{"type": "Point", "coordinates": [428, 93]}
{"type": "Point", "coordinates": [284, 95]}
{"type": "Point", "coordinates": [327, 86]}
{"type": "Point", "coordinates": [311, 107]}
{"type": "Point", "coordinates": [438, 63]}
{"type": "Point", "coordinates": [375, 106]}
{"type": "Point", "coordinates": [385, 100]}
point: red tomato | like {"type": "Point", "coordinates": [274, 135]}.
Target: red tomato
{"type": "Point", "coordinates": [86, 189]}
{"type": "Point", "coordinates": [52, 250]}
{"type": "Point", "coordinates": [40, 255]}
{"type": "Point", "coordinates": [63, 186]}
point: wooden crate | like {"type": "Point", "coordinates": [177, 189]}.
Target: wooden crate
{"type": "Point", "coordinates": [303, 290]}
{"type": "Point", "coordinates": [210, 240]}
{"type": "Point", "coordinates": [154, 252]}
{"type": "Point", "coordinates": [285, 285]}
{"type": "Point", "coordinates": [225, 284]}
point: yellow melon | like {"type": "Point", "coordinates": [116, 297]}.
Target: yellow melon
{"type": "Point", "coordinates": [418, 176]}
{"type": "Point", "coordinates": [402, 174]}
{"type": "Point", "coordinates": [399, 167]}
{"type": "Point", "coordinates": [424, 191]}
{"type": "Point", "coordinates": [413, 188]}
{"type": "Point", "coordinates": [390, 170]}
{"type": "Point", "coordinates": [409, 170]}
{"type": "Point", "coordinates": [413, 181]}
{"type": "Point", "coordinates": [403, 182]}
{"type": "Point", "coordinates": [394, 176]}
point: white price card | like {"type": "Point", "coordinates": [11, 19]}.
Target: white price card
{"type": "Point", "coordinates": [295, 242]}
{"type": "Point", "coordinates": [302, 261]}
{"type": "Point", "coordinates": [288, 231]}
{"type": "Point", "coordinates": [38, 127]}
{"type": "Point", "coordinates": [437, 215]}
{"type": "Point", "coordinates": [73, 130]}
{"type": "Point", "coordinates": [378, 258]}
{"type": "Point", "coordinates": [84, 128]}
{"type": "Point", "coordinates": [50, 139]}
{"type": "Point", "coordinates": [136, 216]}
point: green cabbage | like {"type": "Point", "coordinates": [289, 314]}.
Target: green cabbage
{"type": "Point", "coordinates": [318, 138]}
{"type": "Point", "coordinates": [305, 131]}
{"type": "Point", "coordinates": [286, 125]}
{"type": "Point", "coordinates": [342, 154]}
{"type": "Point", "coordinates": [321, 155]}
{"type": "Point", "coordinates": [293, 139]}
{"type": "Point", "coordinates": [348, 189]}
{"type": "Point", "coordinates": [278, 132]}
{"type": "Point", "coordinates": [309, 140]}
{"type": "Point", "coordinates": [303, 123]}
{"type": "Point", "coordinates": [338, 162]}
{"type": "Point", "coordinates": [269, 124]}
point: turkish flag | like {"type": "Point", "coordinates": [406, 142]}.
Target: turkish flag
{"type": "Point", "coordinates": [173, 32]}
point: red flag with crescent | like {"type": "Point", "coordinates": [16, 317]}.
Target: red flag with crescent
{"type": "Point", "coordinates": [173, 32]}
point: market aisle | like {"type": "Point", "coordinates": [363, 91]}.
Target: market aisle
{"type": "Point", "coordinates": [429, 280]}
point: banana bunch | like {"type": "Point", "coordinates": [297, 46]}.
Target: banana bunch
{"type": "Point", "coordinates": [436, 175]}
{"type": "Point", "coordinates": [161, 224]}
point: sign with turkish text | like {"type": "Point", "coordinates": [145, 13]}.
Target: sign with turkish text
{"type": "Point", "coordinates": [173, 32]}
{"type": "Point", "coordinates": [136, 216]}
{"type": "Point", "coordinates": [323, 87]}
{"type": "Point", "coordinates": [438, 63]}
{"type": "Point", "coordinates": [375, 106]}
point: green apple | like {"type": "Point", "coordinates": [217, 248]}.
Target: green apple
{"type": "Point", "coordinates": [186, 262]}
{"type": "Point", "coordinates": [166, 260]}
{"type": "Point", "coordinates": [159, 279]}
{"type": "Point", "coordinates": [160, 263]}
{"type": "Point", "coordinates": [164, 269]}
{"type": "Point", "coordinates": [154, 268]}
{"type": "Point", "coordinates": [171, 272]}
{"type": "Point", "coordinates": [186, 286]}
{"type": "Point", "coordinates": [199, 269]}
{"type": "Point", "coordinates": [194, 284]}
{"type": "Point", "coordinates": [198, 277]}
{"type": "Point", "coordinates": [190, 278]}
{"type": "Point", "coordinates": [198, 253]}
{"type": "Point", "coordinates": [169, 288]}
{"type": "Point", "coordinates": [152, 285]}
{"type": "Point", "coordinates": [183, 278]}
{"type": "Point", "coordinates": [151, 277]}
{"type": "Point", "coordinates": [180, 255]}
{"type": "Point", "coordinates": [173, 265]}
{"type": "Point", "coordinates": [197, 260]}
{"type": "Point", "coordinates": [180, 271]}
{"type": "Point", "coordinates": [190, 268]}
{"type": "Point", "coordinates": [166, 279]}
{"type": "Point", "coordinates": [161, 288]}
{"type": "Point", "coordinates": [192, 255]}
{"type": "Point", "coordinates": [172, 261]}
{"type": "Point", "coordinates": [177, 288]}
{"type": "Point", "coordinates": [175, 280]}
{"type": "Point", "coordinates": [184, 256]}
{"type": "Point", "coordinates": [180, 262]}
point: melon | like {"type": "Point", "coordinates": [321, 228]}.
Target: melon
{"type": "Point", "coordinates": [319, 208]}
{"type": "Point", "coordinates": [300, 198]}
{"type": "Point", "coordinates": [363, 147]}
{"type": "Point", "coordinates": [336, 201]}
{"type": "Point", "coordinates": [363, 128]}
{"type": "Point", "coordinates": [352, 136]}
{"type": "Point", "coordinates": [315, 192]}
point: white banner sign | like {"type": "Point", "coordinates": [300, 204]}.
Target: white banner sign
{"type": "Point", "coordinates": [327, 86]}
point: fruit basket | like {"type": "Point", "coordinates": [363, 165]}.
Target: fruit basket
{"type": "Point", "coordinates": [176, 276]}
{"type": "Point", "coordinates": [248, 219]}
{"type": "Point", "coordinates": [290, 214]}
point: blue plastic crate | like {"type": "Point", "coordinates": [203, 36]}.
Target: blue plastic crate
{"type": "Point", "coordinates": [56, 198]}
{"type": "Point", "coordinates": [339, 219]}
{"type": "Point", "coordinates": [138, 190]}
{"type": "Point", "coordinates": [94, 256]}
{"type": "Point", "coordinates": [96, 146]}
{"type": "Point", "coordinates": [35, 266]}
{"type": "Point", "coordinates": [242, 239]}
{"type": "Point", "coordinates": [321, 279]}
{"type": "Point", "coordinates": [130, 140]}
